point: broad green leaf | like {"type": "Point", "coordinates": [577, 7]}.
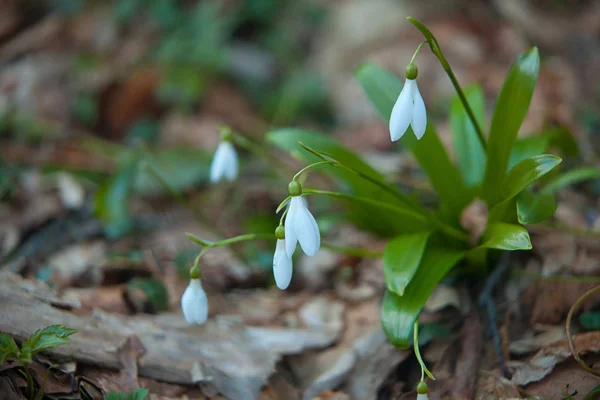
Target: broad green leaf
{"type": "Point", "coordinates": [570, 178]}
{"type": "Point", "coordinates": [111, 202]}
{"type": "Point", "coordinates": [526, 172]}
{"type": "Point", "coordinates": [366, 216]}
{"type": "Point", "coordinates": [8, 348]}
{"type": "Point", "coordinates": [383, 89]}
{"type": "Point", "coordinates": [504, 236]}
{"type": "Point", "coordinates": [590, 320]}
{"type": "Point", "coordinates": [562, 138]}
{"type": "Point", "coordinates": [533, 208]}
{"type": "Point", "coordinates": [401, 260]}
{"type": "Point", "coordinates": [511, 108]}
{"type": "Point", "coordinates": [398, 313]}
{"type": "Point", "coordinates": [49, 337]}
{"type": "Point", "coordinates": [526, 148]}
{"type": "Point", "coordinates": [469, 151]}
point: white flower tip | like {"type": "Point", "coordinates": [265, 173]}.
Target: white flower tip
{"type": "Point", "coordinates": [419, 117]}
{"type": "Point", "coordinates": [194, 303]}
{"type": "Point", "coordinates": [422, 397]}
{"type": "Point", "coordinates": [224, 165]}
{"type": "Point", "coordinates": [402, 112]}
{"type": "Point", "coordinates": [282, 266]}
{"type": "Point", "coordinates": [302, 227]}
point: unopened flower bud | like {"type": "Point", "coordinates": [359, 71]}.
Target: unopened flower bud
{"type": "Point", "coordinates": [294, 188]}
{"type": "Point", "coordinates": [411, 71]}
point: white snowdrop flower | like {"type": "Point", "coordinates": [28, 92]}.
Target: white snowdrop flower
{"type": "Point", "coordinates": [282, 266]}
{"type": "Point", "coordinates": [422, 397]}
{"type": "Point", "coordinates": [300, 225]}
{"type": "Point", "coordinates": [409, 109]}
{"type": "Point", "coordinates": [224, 165]}
{"type": "Point", "coordinates": [194, 303]}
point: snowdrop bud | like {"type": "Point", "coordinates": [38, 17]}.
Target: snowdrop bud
{"type": "Point", "coordinates": [422, 390]}
{"type": "Point", "coordinates": [224, 165]}
{"type": "Point", "coordinates": [409, 109]}
{"type": "Point", "coordinates": [282, 265]}
{"type": "Point", "coordinates": [194, 303]}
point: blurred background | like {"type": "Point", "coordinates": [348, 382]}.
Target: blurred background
{"type": "Point", "coordinates": [109, 116]}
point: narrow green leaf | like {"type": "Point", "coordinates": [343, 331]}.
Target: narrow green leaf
{"type": "Point", "coordinates": [526, 148]}
{"type": "Point", "coordinates": [383, 89]}
{"type": "Point", "coordinates": [533, 208]}
{"type": "Point", "coordinates": [506, 237]}
{"type": "Point", "coordinates": [401, 260]}
{"type": "Point", "coordinates": [111, 201]}
{"type": "Point", "coordinates": [511, 108]}
{"type": "Point", "coordinates": [526, 172]}
{"type": "Point", "coordinates": [469, 151]}
{"type": "Point", "coordinates": [363, 215]}
{"type": "Point", "coordinates": [398, 313]}
{"type": "Point", "coordinates": [572, 177]}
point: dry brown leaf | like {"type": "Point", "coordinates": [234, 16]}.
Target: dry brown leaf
{"type": "Point", "coordinates": [544, 362]}
{"type": "Point", "coordinates": [566, 379]}
{"type": "Point", "coordinates": [493, 386]}
{"type": "Point", "coordinates": [550, 301]}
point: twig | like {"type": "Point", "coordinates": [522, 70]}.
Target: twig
{"type": "Point", "coordinates": [486, 300]}
{"type": "Point", "coordinates": [568, 330]}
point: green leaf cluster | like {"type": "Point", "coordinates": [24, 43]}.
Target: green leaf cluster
{"type": "Point", "coordinates": [41, 340]}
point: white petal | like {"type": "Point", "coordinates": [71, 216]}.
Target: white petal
{"type": "Point", "coordinates": [282, 266]}
{"type": "Point", "coordinates": [402, 113]}
{"type": "Point", "coordinates": [194, 303]}
{"type": "Point", "coordinates": [224, 164]}
{"type": "Point", "coordinates": [290, 234]}
{"type": "Point", "coordinates": [419, 119]}
{"type": "Point", "coordinates": [422, 397]}
{"type": "Point", "coordinates": [231, 165]}
{"type": "Point", "coordinates": [307, 230]}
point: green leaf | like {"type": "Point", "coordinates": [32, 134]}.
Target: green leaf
{"type": "Point", "coordinates": [364, 215]}
{"type": "Point", "coordinates": [526, 172]}
{"type": "Point", "coordinates": [383, 89]}
{"type": "Point", "coordinates": [570, 178]}
{"type": "Point", "coordinates": [49, 337]}
{"type": "Point", "coordinates": [511, 108]}
{"type": "Point", "coordinates": [138, 394]}
{"type": "Point", "coordinates": [504, 236]}
{"type": "Point", "coordinates": [533, 208]}
{"type": "Point", "coordinates": [153, 290]}
{"type": "Point", "coordinates": [401, 260]}
{"type": "Point", "coordinates": [526, 148]}
{"type": "Point", "coordinates": [469, 151]}
{"type": "Point", "coordinates": [398, 313]}
{"type": "Point", "coordinates": [111, 202]}
{"type": "Point", "coordinates": [8, 348]}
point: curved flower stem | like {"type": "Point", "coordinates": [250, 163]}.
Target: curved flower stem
{"type": "Point", "coordinates": [353, 251]}
{"type": "Point", "coordinates": [313, 165]}
{"type": "Point", "coordinates": [412, 60]}
{"type": "Point", "coordinates": [368, 201]}
{"type": "Point", "coordinates": [568, 330]}
{"type": "Point", "coordinates": [437, 51]}
{"type": "Point", "coordinates": [450, 231]}
{"type": "Point", "coordinates": [282, 204]}
{"type": "Point", "coordinates": [424, 369]}
{"type": "Point", "coordinates": [386, 187]}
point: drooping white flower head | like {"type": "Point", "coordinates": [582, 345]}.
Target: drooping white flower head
{"type": "Point", "coordinates": [422, 391]}
{"type": "Point", "coordinates": [224, 165]}
{"type": "Point", "coordinates": [409, 109]}
{"type": "Point", "coordinates": [300, 225]}
{"type": "Point", "coordinates": [194, 303]}
{"type": "Point", "coordinates": [282, 266]}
